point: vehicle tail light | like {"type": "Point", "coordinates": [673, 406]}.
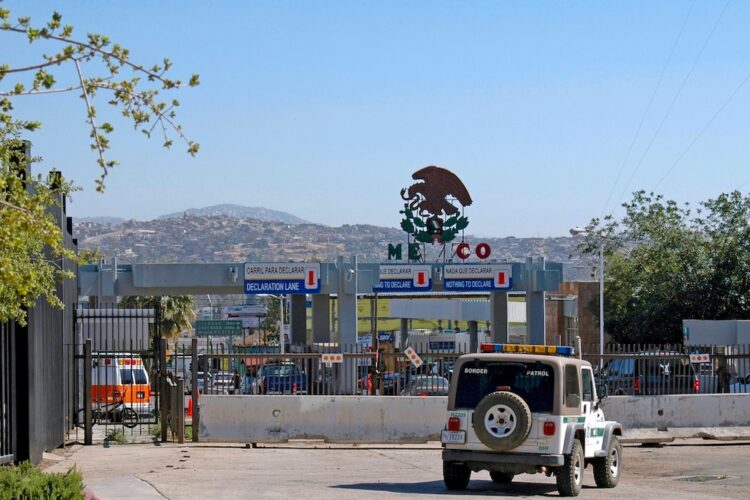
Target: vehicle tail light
{"type": "Point", "coordinates": [549, 428]}
{"type": "Point", "coordinates": [422, 394]}
{"type": "Point", "coordinates": [696, 385]}
{"type": "Point", "coordinates": [294, 388]}
{"type": "Point", "coordinates": [454, 424]}
{"type": "Point", "coordinates": [637, 385]}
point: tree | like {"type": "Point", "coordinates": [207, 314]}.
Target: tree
{"type": "Point", "coordinates": [177, 313]}
{"type": "Point", "coordinates": [666, 263]}
{"type": "Point", "coordinates": [31, 243]}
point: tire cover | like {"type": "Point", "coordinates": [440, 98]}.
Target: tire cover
{"type": "Point", "coordinates": [502, 420]}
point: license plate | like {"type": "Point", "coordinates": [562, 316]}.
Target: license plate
{"type": "Point", "coordinates": [453, 437]}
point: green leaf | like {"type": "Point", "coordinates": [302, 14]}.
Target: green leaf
{"type": "Point", "coordinates": [423, 237]}
{"type": "Point", "coordinates": [407, 226]}
{"type": "Point", "coordinates": [451, 221]}
{"type": "Point", "coordinates": [462, 223]}
{"type": "Point", "coordinates": [418, 222]}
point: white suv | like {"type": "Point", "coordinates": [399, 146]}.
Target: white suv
{"type": "Point", "coordinates": [516, 409]}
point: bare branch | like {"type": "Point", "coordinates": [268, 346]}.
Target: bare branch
{"type": "Point", "coordinates": [38, 92]}
{"type": "Point", "coordinates": [92, 121]}
{"type": "Point", "coordinates": [36, 66]}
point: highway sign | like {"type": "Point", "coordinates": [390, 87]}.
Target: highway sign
{"type": "Point", "coordinates": [218, 327]}
{"type": "Point", "coordinates": [250, 315]}
{"type": "Point", "coordinates": [404, 278]}
{"type": "Point", "coordinates": [477, 277]}
{"type": "Point", "coordinates": [282, 277]}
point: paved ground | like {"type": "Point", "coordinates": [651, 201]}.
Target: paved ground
{"type": "Point", "coordinates": [692, 469]}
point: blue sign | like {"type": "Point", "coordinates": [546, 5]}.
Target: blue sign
{"type": "Point", "coordinates": [282, 278]}
{"type": "Point", "coordinates": [477, 277]}
{"type": "Point", "coordinates": [404, 278]}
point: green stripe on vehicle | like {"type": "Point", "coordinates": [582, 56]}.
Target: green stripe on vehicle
{"type": "Point", "coordinates": [578, 420]}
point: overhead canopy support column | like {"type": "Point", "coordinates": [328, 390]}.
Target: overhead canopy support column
{"type": "Point", "coordinates": [499, 316]}
{"type": "Point", "coordinates": [298, 320]}
{"type": "Point", "coordinates": [321, 318]}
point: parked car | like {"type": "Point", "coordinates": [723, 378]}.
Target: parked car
{"type": "Point", "coordinates": [222, 383]}
{"type": "Point", "coordinates": [276, 378]}
{"type": "Point", "coordinates": [742, 385]}
{"type": "Point", "coordinates": [427, 385]}
{"type": "Point", "coordinates": [651, 373]}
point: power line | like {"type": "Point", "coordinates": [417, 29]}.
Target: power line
{"type": "Point", "coordinates": [674, 100]}
{"type": "Point", "coordinates": [648, 108]}
{"type": "Point", "coordinates": [698, 136]}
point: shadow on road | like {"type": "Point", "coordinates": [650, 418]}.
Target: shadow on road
{"type": "Point", "coordinates": [519, 489]}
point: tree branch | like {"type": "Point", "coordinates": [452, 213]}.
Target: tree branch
{"type": "Point", "coordinates": [38, 92]}
{"type": "Point", "coordinates": [15, 207]}
{"type": "Point", "coordinates": [93, 48]}
{"type": "Point", "coordinates": [36, 66]}
{"type": "Point", "coordinates": [91, 113]}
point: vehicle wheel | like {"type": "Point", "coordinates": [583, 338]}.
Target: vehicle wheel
{"type": "Point", "coordinates": [570, 475]}
{"type": "Point", "coordinates": [501, 477]}
{"type": "Point", "coordinates": [502, 420]}
{"type": "Point", "coordinates": [456, 476]}
{"type": "Point", "coordinates": [607, 469]}
{"type": "Point", "coordinates": [129, 417]}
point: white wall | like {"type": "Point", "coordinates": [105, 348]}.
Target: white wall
{"type": "Point", "coordinates": [399, 419]}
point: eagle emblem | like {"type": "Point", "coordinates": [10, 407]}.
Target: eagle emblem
{"type": "Point", "coordinates": [430, 214]}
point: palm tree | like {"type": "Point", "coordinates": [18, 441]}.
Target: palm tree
{"type": "Point", "coordinates": [177, 313]}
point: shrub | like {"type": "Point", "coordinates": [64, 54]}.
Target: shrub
{"type": "Point", "coordinates": [26, 481]}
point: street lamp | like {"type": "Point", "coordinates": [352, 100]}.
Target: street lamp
{"type": "Point", "coordinates": [582, 231]}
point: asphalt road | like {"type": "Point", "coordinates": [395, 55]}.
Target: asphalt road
{"type": "Point", "coordinates": [692, 469]}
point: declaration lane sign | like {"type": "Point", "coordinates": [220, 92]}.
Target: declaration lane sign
{"type": "Point", "coordinates": [218, 327]}
{"type": "Point", "coordinates": [282, 277]}
{"type": "Point", "coordinates": [404, 278]}
{"type": "Point", "coordinates": [477, 277]}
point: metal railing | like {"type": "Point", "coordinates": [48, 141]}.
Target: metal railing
{"type": "Point", "coordinates": [638, 369]}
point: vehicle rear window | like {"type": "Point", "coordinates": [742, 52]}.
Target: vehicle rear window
{"type": "Point", "coordinates": [534, 382]}
{"type": "Point", "coordinates": [131, 376]}
{"type": "Point", "coordinates": [281, 371]}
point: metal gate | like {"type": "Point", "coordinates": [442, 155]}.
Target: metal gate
{"type": "Point", "coordinates": [118, 367]}
{"type": "Point", "coordinates": [7, 395]}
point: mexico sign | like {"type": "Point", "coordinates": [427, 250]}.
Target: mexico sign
{"type": "Point", "coordinates": [282, 277]}
{"type": "Point", "coordinates": [477, 277]}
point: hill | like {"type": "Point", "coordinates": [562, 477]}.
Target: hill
{"type": "Point", "coordinates": [239, 212]}
{"type": "Point", "coordinates": [229, 239]}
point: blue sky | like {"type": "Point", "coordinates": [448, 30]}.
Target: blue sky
{"type": "Point", "coordinates": [325, 109]}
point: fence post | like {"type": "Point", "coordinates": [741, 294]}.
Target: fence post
{"type": "Point", "coordinates": [180, 410]}
{"type": "Point", "coordinates": [88, 431]}
{"type": "Point", "coordinates": [163, 389]}
{"type": "Point", "coordinates": [194, 385]}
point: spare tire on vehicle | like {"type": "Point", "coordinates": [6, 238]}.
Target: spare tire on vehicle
{"type": "Point", "coordinates": [502, 420]}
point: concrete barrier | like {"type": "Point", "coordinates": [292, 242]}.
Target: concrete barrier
{"type": "Point", "coordinates": [659, 419]}
{"type": "Point", "coordinates": [335, 419]}
{"type": "Point", "coordinates": [389, 419]}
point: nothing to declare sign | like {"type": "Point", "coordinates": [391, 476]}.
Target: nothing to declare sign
{"type": "Point", "coordinates": [477, 277]}
{"type": "Point", "coordinates": [218, 327]}
{"type": "Point", "coordinates": [404, 278]}
{"type": "Point", "coordinates": [282, 277]}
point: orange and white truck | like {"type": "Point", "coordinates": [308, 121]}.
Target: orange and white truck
{"type": "Point", "coordinates": [121, 377]}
